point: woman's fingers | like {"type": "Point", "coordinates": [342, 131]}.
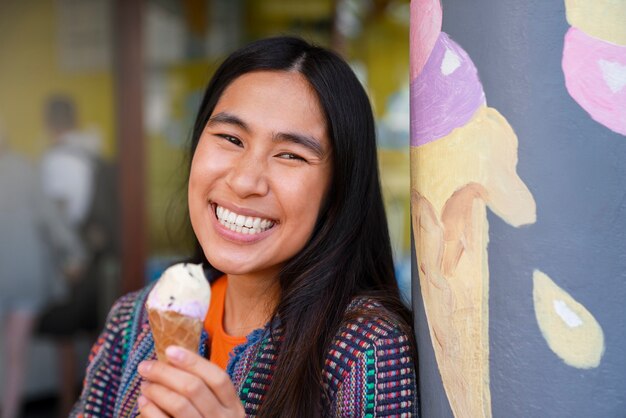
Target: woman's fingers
{"type": "Point", "coordinates": [171, 403]}
{"type": "Point", "coordinates": [161, 375]}
{"type": "Point", "coordinates": [215, 378]}
{"type": "Point", "coordinates": [202, 384]}
{"type": "Point", "coordinates": [149, 410]}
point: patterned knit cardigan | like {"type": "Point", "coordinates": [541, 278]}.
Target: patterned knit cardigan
{"type": "Point", "coordinates": [368, 372]}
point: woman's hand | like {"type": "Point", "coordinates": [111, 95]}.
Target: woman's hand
{"type": "Point", "coordinates": [187, 386]}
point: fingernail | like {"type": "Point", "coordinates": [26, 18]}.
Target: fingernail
{"type": "Point", "coordinates": [144, 367]}
{"type": "Point", "coordinates": [141, 401]}
{"type": "Point", "coordinates": [175, 353]}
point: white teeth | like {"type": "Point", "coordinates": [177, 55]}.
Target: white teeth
{"type": "Point", "coordinates": [246, 225]}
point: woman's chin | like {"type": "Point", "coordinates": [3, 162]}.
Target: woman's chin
{"type": "Point", "coordinates": [230, 266]}
{"type": "Point", "coordinates": [237, 267]}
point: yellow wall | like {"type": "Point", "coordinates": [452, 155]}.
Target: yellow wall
{"type": "Point", "coordinates": [29, 73]}
{"type": "Point", "coordinates": [384, 49]}
{"type": "Point", "coordinates": [167, 169]}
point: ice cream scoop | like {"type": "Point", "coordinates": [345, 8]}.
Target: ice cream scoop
{"type": "Point", "coordinates": [595, 76]}
{"type": "Point", "coordinates": [177, 306]}
{"type": "Point", "coordinates": [446, 94]}
{"type": "Point", "coordinates": [427, 17]}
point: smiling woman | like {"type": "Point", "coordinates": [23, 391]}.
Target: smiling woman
{"type": "Point", "coordinates": [285, 203]}
{"type": "Point", "coordinates": [264, 155]}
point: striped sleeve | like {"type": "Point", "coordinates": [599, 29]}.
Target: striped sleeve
{"type": "Point", "coordinates": [372, 375]}
{"type": "Point", "coordinates": [395, 380]}
{"type": "Point", "coordinates": [106, 361]}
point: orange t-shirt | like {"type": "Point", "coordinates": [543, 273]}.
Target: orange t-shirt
{"type": "Point", "coordinates": [221, 343]}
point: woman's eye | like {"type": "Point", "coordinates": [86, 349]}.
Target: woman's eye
{"type": "Point", "coordinates": [290, 156]}
{"type": "Point", "coordinates": [231, 139]}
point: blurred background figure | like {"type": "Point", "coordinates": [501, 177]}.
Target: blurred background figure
{"type": "Point", "coordinates": [28, 226]}
{"type": "Point", "coordinates": [81, 186]}
{"type": "Point", "coordinates": [68, 165]}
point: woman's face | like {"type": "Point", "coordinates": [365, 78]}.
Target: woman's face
{"type": "Point", "coordinates": [259, 173]}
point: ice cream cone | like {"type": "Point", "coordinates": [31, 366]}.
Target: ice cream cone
{"type": "Point", "coordinates": [177, 306]}
{"type": "Point", "coordinates": [172, 328]}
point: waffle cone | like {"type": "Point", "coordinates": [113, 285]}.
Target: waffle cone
{"type": "Point", "coordinates": [172, 328]}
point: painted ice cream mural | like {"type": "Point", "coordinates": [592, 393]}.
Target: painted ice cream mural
{"type": "Point", "coordinates": [594, 59]}
{"type": "Point", "coordinates": [463, 160]}
{"type": "Point", "coordinates": [594, 65]}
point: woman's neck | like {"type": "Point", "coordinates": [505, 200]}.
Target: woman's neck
{"type": "Point", "coordinates": [250, 301]}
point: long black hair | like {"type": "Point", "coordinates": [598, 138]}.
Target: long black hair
{"type": "Point", "coordinates": [349, 253]}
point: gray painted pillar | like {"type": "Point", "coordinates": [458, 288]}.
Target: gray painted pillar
{"type": "Point", "coordinates": [518, 188]}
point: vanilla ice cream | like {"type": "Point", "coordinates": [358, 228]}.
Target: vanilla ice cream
{"type": "Point", "coordinates": [177, 306]}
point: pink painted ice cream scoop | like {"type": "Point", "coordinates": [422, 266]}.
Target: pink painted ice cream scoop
{"type": "Point", "coordinates": [595, 76]}
{"type": "Point", "coordinates": [446, 94]}
{"type": "Point", "coordinates": [426, 17]}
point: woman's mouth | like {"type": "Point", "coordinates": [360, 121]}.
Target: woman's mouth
{"type": "Point", "coordinates": [247, 225]}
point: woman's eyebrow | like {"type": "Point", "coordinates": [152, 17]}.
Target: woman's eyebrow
{"type": "Point", "coordinates": [229, 119]}
{"type": "Point", "coordinates": [306, 141]}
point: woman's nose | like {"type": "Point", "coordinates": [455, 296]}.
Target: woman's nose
{"type": "Point", "coordinates": [248, 177]}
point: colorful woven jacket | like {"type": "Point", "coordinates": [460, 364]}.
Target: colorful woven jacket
{"type": "Point", "coordinates": [368, 372]}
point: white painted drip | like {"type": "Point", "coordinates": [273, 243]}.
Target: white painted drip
{"type": "Point", "coordinates": [566, 314]}
{"type": "Point", "coordinates": [450, 63]}
{"type": "Point", "coordinates": [614, 74]}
